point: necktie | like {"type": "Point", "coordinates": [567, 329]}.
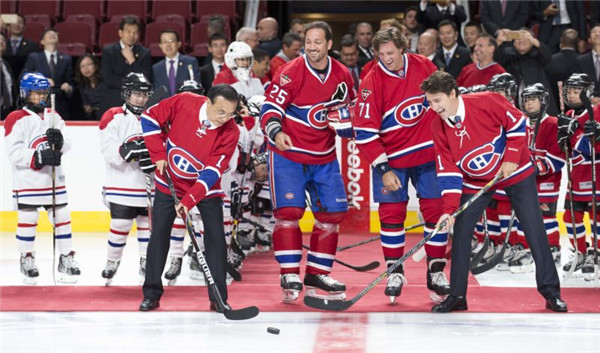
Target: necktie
{"type": "Point", "coordinates": [220, 66]}
{"type": "Point", "coordinates": [443, 13]}
{"type": "Point", "coordinates": [597, 66]}
{"type": "Point", "coordinates": [172, 76]}
{"type": "Point", "coordinates": [354, 77]}
{"type": "Point", "coordinates": [15, 46]}
{"type": "Point", "coordinates": [448, 58]}
{"type": "Point", "coordinates": [503, 4]}
{"type": "Point", "coordinates": [556, 19]}
{"type": "Point", "coordinates": [52, 65]}
{"type": "Point", "coordinates": [6, 93]}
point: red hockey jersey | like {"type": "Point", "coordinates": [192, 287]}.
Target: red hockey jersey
{"type": "Point", "coordinates": [487, 131]}
{"type": "Point", "coordinates": [297, 96]}
{"type": "Point", "coordinates": [197, 153]}
{"type": "Point", "coordinates": [473, 74]}
{"type": "Point", "coordinates": [581, 176]}
{"type": "Point", "coordinates": [390, 123]}
{"type": "Point", "coordinates": [548, 155]}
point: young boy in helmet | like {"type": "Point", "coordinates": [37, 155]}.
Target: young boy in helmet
{"type": "Point", "coordinates": [239, 59]}
{"type": "Point", "coordinates": [35, 144]}
{"type": "Point", "coordinates": [128, 165]}
{"type": "Point", "coordinates": [571, 135]}
{"type": "Point", "coordinates": [549, 160]}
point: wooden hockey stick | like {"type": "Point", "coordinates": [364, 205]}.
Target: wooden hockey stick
{"type": "Point", "coordinates": [53, 176]}
{"type": "Point", "coordinates": [499, 256]}
{"type": "Point", "coordinates": [376, 237]}
{"type": "Point", "coordinates": [230, 314]}
{"type": "Point", "coordinates": [338, 305]}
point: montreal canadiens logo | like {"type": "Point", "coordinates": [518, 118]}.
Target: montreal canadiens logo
{"type": "Point", "coordinates": [183, 164]}
{"type": "Point", "coordinates": [480, 161]}
{"type": "Point", "coordinates": [289, 195]}
{"type": "Point", "coordinates": [39, 143]}
{"type": "Point", "coordinates": [133, 137]}
{"type": "Point", "coordinates": [317, 117]}
{"type": "Point", "coordinates": [410, 111]}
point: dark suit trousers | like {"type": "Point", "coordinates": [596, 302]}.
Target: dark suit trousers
{"type": "Point", "coordinates": [163, 215]}
{"type": "Point", "coordinates": [524, 200]}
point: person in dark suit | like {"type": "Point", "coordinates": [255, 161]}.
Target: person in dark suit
{"type": "Point", "coordinates": [504, 14]}
{"type": "Point", "coordinates": [174, 68]}
{"type": "Point", "coordinates": [217, 46]}
{"type": "Point", "coordinates": [121, 58]}
{"type": "Point", "coordinates": [350, 58]}
{"type": "Point", "coordinates": [564, 63]}
{"type": "Point", "coordinates": [8, 91]}
{"type": "Point", "coordinates": [525, 59]}
{"type": "Point", "coordinates": [430, 15]}
{"type": "Point", "coordinates": [454, 56]}
{"type": "Point", "coordinates": [589, 63]}
{"type": "Point", "coordinates": [56, 67]}
{"type": "Point", "coordinates": [413, 27]}
{"type": "Point", "coordinates": [267, 35]}
{"type": "Point", "coordinates": [364, 38]}
{"type": "Point", "coordinates": [18, 47]}
{"type": "Point", "coordinates": [427, 47]}
{"type": "Point", "coordinates": [554, 20]}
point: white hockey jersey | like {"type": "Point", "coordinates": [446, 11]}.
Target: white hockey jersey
{"type": "Point", "coordinates": [25, 133]}
{"type": "Point", "coordinates": [125, 182]}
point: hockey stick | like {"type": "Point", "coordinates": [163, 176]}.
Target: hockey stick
{"type": "Point", "coordinates": [486, 244]}
{"type": "Point", "coordinates": [339, 305]}
{"type": "Point", "coordinates": [191, 72]}
{"type": "Point", "coordinates": [53, 172]}
{"type": "Point", "coordinates": [588, 106]}
{"type": "Point", "coordinates": [240, 314]}
{"type": "Point", "coordinates": [376, 237]}
{"type": "Point", "coordinates": [496, 259]}
{"type": "Point", "coordinates": [368, 267]}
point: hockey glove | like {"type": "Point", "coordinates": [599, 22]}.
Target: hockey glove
{"type": "Point", "coordinates": [566, 129]}
{"type": "Point", "coordinates": [339, 120]}
{"type": "Point", "coordinates": [146, 164]}
{"type": "Point", "coordinates": [46, 157]}
{"type": "Point", "coordinates": [542, 166]}
{"type": "Point", "coordinates": [591, 128]}
{"type": "Point", "coordinates": [55, 138]}
{"type": "Point", "coordinates": [132, 150]}
{"type": "Point", "coordinates": [245, 164]}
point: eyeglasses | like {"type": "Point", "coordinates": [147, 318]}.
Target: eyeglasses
{"type": "Point", "coordinates": [224, 114]}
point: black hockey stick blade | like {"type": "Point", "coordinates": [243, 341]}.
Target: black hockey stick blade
{"type": "Point", "coordinates": [241, 314]}
{"type": "Point", "coordinates": [477, 258]}
{"type": "Point", "coordinates": [235, 274]}
{"type": "Point", "coordinates": [158, 94]}
{"type": "Point", "coordinates": [368, 267]}
{"type": "Point", "coordinates": [496, 259]}
{"type": "Point", "coordinates": [328, 304]}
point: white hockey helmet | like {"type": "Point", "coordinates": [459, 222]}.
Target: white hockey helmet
{"type": "Point", "coordinates": [239, 50]}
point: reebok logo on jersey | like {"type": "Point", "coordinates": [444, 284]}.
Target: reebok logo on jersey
{"type": "Point", "coordinates": [365, 93]}
{"type": "Point", "coordinates": [284, 80]}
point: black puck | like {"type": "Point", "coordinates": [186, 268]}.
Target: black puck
{"type": "Point", "coordinates": [273, 330]}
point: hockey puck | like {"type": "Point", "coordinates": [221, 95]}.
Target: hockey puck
{"type": "Point", "coordinates": [273, 330]}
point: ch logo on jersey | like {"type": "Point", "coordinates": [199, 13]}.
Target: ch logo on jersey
{"type": "Point", "coordinates": [317, 116]}
{"type": "Point", "coordinates": [409, 112]}
{"type": "Point", "coordinates": [481, 161]}
{"type": "Point", "coordinates": [133, 137]}
{"type": "Point", "coordinates": [39, 143]}
{"type": "Point", "coordinates": [183, 164]}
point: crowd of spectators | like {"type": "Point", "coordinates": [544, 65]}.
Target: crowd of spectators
{"type": "Point", "coordinates": [536, 41]}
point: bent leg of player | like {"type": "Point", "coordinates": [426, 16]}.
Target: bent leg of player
{"type": "Point", "coordinates": [120, 224]}
{"type": "Point", "coordinates": [578, 258]}
{"type": "Point", "coordinates": [27, 224]}
{"type": "Point", "coordinates": [175, 251]}
{"type": "Point", "coordinates": [68, 269]}
{"type": "Point", "coordinates": [143, 237]}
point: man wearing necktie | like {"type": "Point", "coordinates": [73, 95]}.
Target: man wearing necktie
{"type": "Point", "coordinates": [589, 63]}
{"type": "Point", "coordinates": [350, 58]}
{"type": "Point", "coordinates": [364, 37]}
{"type": "Point", "coordinates": [18, 47]}
{"type": "Point", "coordinates": [57, 67]}
{"type": "Point", "coordinates": [453, 55]}
{"type": "Point", "coordinates": [555, 16]}
{"type": "Point", "coordinates": [217, 45]}
{"type": "Point", "coordinates": [174, 68]}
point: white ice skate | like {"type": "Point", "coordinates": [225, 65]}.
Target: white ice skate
{"type": "Point", "coordinates": [68, 270]}
{"type": "Point", "coordinates": [291, 285]}
{"type": "Point", "coordinates": [394, 286]}
{"type": "Point", "coordinates": [109, 271]}
{"type": "Point", "coordinates": [142, 270]}
{"type": "Point", "coordinates": [28, 269]}
{"type": "Point", "coordinates": [174, 270]}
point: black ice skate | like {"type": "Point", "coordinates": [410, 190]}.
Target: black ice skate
{"type": "Point", "coordinates": [555, 250]}
{"type": "Point", "coordinates": [578, 259]}
{"type": "Point", "coordinates": [509, 255]}
{"type": "Point", "coordinates": [291, 285]}
{"type": "Point", "coordinates": [395, 282]}
{"type": "Point", "coordinates": [522, 262]}
{"type": "Point", "coordinates": [68, 271]}
{"type": "Point", "coordinates": [110, 270]}
{"type": "Point", "coordinates": [333, 288]}
{"type": "Point", "coordinates": [174, 270]}
{"type": "Point", "coordinates": [262, 241]}
{"type": "Point", "coordinates": [437, 283]}
{"type": "Point", "coordinates": [28, 269]}
{"type": "Point", "coordinates": [245, 239]}
{"type": "Point", "coordinates": [587, 269]}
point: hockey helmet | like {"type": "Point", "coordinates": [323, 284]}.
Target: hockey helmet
{"type": "Point", "coordinates": [135, 82]}
{"type": "Point", "coordinates": [34, 82]}
{"type": "Point", "coordinates": [504, 83]}
{"type": "Point", "coordinates": [535, 91]}
{"type": "Point", "coordinates": [463, 90]}
{"type": "Point", "coordinates": [191, 86]}
{"type": "Point", "coordinates": [580, 81]}
{"type": "Point", "coordinates": [239, 50]}
{"type": "Point", "coordinates": [478, 88]}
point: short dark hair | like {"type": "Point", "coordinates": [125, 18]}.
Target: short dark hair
{"type": "Point", "coordinates": [490, 39]}
{"type": "Point", "coordinates": [222, 90]}
{"type": "Point", "coordinates": [129, 20]}
{"type": "Point", "coordinates": [216, 36]}
{"type": "Point", "coordinates": [169, 31]}
{"type": "Point", "coordinates": [289, 38]}
{"type": "Point", "coordinates": [391, 34]}
{"type": "Point", "coordinates": [474, 24]}
{"type": "Point", "coordinates": [569, 38]}
{"type": "Point", "coordinates": [259, 55]}
{"type": "Point", "coordinates": [440, 82]}
{"type": "Point", "coordinates": [78, 77]}
{"type": "Point", "coordinates": [51, 29]}
{"type": "Point", "coordinates": [348, 41]}
{"type": "Point", "coordinates": [446, 23]}
{"type": "Point", "coordinates": [320, 25]}
{"type": "Point", "coordinates": [298, 21]}
{"type": "Point", "coordinates": [410, 8]}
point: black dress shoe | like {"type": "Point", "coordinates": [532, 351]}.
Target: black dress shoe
{"type": "Point", "coordinates": [149, 304]}
{"type": "Point", "coordinates": [452, 303]}
{"type": "Point", "coordinates": [556, 304]}
{"type": "Point", "coordinates": [215, 307]}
